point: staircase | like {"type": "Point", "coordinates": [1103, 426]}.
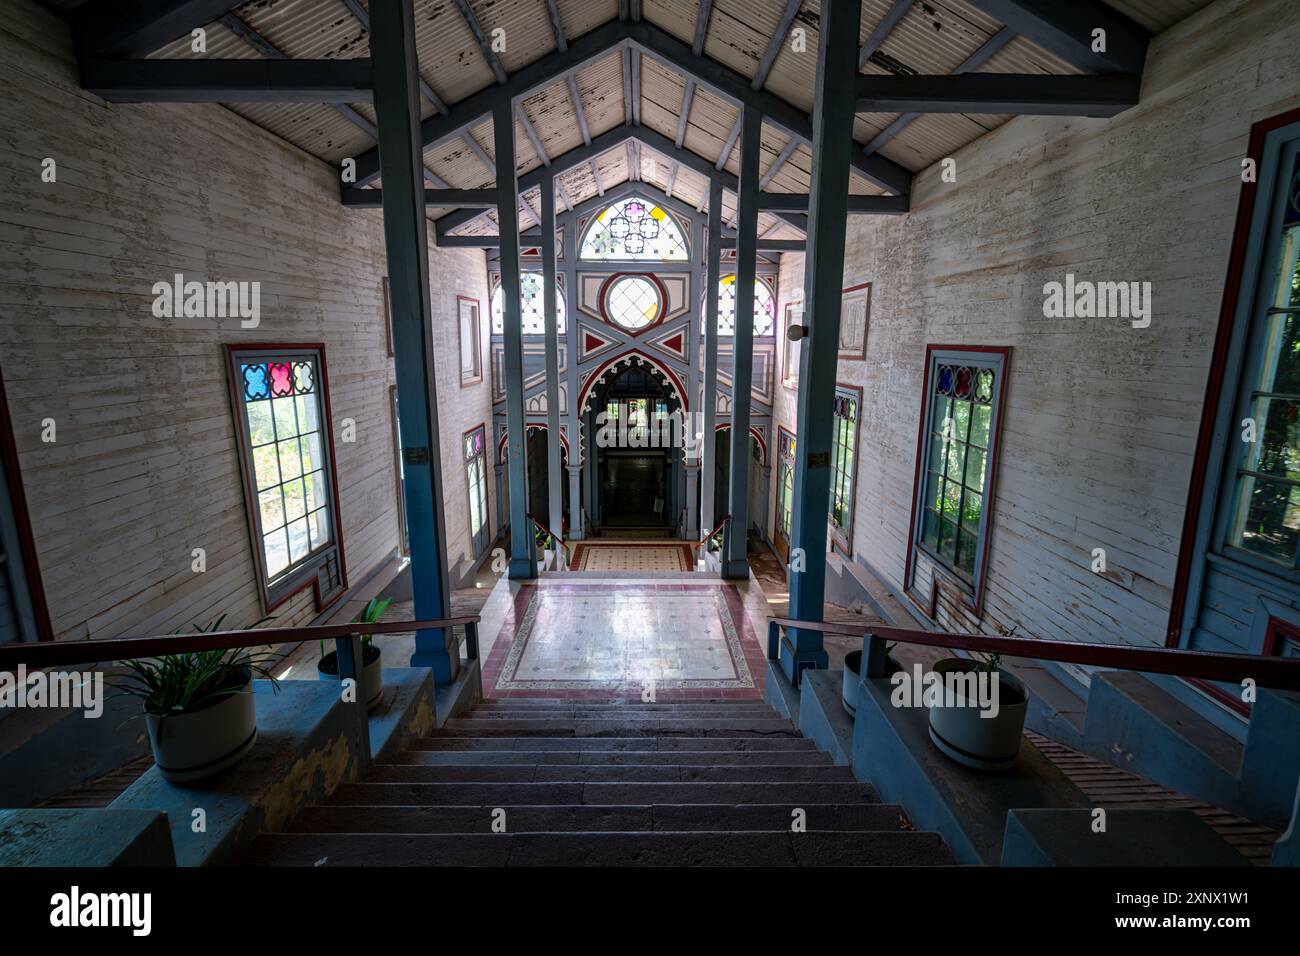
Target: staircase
{"type": "Point", "coordinates": [605, 784]}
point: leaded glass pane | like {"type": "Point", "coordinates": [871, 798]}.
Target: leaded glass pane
{"type": "Point", "coordinates": [261, 425]}
{"type": "Point", "coordinates": [266, 468]}
{"type": "Point", "coordinates": [764, 307]}
{"type": "Point", "coordinates": [633, 303]}
{"type": "Point", "coordinates": [634, 229]}
{"type": "Point", "coordinates": [532, 307]}
{"type": "Point", "coordinates": [290, 460]}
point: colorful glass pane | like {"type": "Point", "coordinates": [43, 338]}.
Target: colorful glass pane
{"type": "Point", "coordinates": [764, 307]}
{"type": "Point", "coordinates": [633, 303]}
{"type": "Point", "coordinates": [635, 229]}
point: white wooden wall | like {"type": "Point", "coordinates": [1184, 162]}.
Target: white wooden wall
{"type": "Point", "coordinates": [145, 466]}
{"type": "Point", "coordinates": [1101, 419]}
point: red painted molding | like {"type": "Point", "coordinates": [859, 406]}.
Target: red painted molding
{"type": "Point", "coordinates": [1218, 369]}
{"type": "Point", "coordinates": [26, 541]}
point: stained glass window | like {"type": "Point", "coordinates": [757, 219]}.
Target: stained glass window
{"type": "Point", "coordinates": [633, 303]}
{"type": "Point", "coordinates": [1266, 516]}
{"type": "Point", "coordinates": [960, 433]}
{"type": "Point", "coordinates": [785, 484]}
{"type": "Point", "coordinates": [285, 441]}
{"type": "Point", "coordinates": [532, 306]}
{"type": "Point", "coordinates": [764, 307]}
{"type": "Point", "coordinates": [634, 229]}
{"type": "Point", "coordinates": [844, 464]}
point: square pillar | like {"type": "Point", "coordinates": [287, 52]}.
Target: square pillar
{"type": "Point", "coordinates": [709, 396]}
{"type": "Point", "coordinates": [392, 44]}
{"type": "Point", "coordinates": [554, 470]}
{"type": "Point", "coordinates": [835, 101]}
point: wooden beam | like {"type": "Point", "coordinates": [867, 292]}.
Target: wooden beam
{"type": "Point", "coordinates": [701, 26]}
{"type": "Point", "coordinates": [123, 29]}
{"type": "Point", "coordinates": [1021, 94]}
{"type": "Point", "coordinates": [448, 198]}
{"type": "Point", "coordinates": [771, 245]}
{"type": "Point", "coordinates": [362, 16]}
{"type": "Point", "coordinates": [684, 113]}
{"type": "Point", "coordinates": [774, 45]}
{"type": "Point", "coordinates": [876, 39]}
{"type": "Point", "coordinates": [477, 150]}
{"type": "Point", "coordinates": [730, 144]}
{"type": "Point", "coordinates": [1066, 29]}
{"type": "Point", "coordinates": [791, 145]}
{"type": "Point", "coordinates": [531, 133]}
{"type": "Point", "coordinates": [672, 177]}
{"type": "Point", "coordinates": [228, 81]}
{"type": "Point", "coordinates": [557, 27]}
{"type": "Point", "coordinates": [634, 61]}
{"type": "Point", "coordinates": [485, 47]}
{"type": "Point", "coordinates": [626, 61]}
{"type": "Point", "coordinates": [575, 97]}
{"type": "Point", "coordinates": [873, 205]}
{"type": "Point", "coordinates": [988, 49]}
{"type": "Point", "coordinates": [595, 175]}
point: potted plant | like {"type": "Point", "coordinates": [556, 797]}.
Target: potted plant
{"type": "Point", "coordinates": [852, 668]}
{"type": "Point", "coordinates": [987, 738]}
{"type": "Point", "coordinates": [198, 707]}
{"type": "Point", "coordinates": [372, 672]}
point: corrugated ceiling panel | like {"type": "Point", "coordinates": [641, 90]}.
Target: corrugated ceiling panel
{"type": "Point", "coordinates": [583, 16]}
{"type": "Point", "coordinates": [794, 74]}
{"type": "Point", "coordinates": [456, 163]}
{"type": "Point", "coordinates": [931, 38]}
{"type": "Point", "coordinates": [739, 31]}
{"type": "Point", "coordinates": [527, 26]}
{"type": "Point", "coordinates": [710, 123]}
{"type": "Point", "coordinates": [676, 16]}
{"type": "Point", "coordinates": [601, 87]}
{"type": "Point", "coordinates": [552, 116]}
{"type": "Point", "coordinates": [449, 56]}
{"type": "Point", "coordinates": [308, 29]}
{"type": "Point", "coordinates": [661, 97]}
{"type": "Point", "coordinates": [794, 175]}
{"type": "Point", "coordinates": [1158, 15]}
{"type": "Point", "coordinates": [313, 127]}
{"type": "Point", "coordinates": [931, 138]}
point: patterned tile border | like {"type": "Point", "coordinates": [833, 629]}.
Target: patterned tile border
{"type": "Point", "coordinates": [583, 550]}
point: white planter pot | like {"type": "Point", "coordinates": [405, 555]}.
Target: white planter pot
{"type": "Point", "coordinates": [195, 746]}
{"type": "Point", "coordinates": [849, 686]}
{"type": "Point", "coordinates": [372, 679]}
{"type": "Point", "coordinates": [985, 743]}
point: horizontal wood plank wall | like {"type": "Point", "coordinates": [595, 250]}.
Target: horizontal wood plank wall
{"type": "Point", "coordinates": [145, 466]}
{"type": "Point", "coordinates": [1101, 418]}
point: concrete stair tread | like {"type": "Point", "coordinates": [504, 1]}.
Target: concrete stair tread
{"type": "Point", "coordinates": [657, 848]}
{"type": "Point", "coordinates": [612, 758]}
{"type": "Point", "coordinates": [454, 741]}
{"type": "Point", "coordinates": [535, 818]}
{"type": "Point", "coordinates": [626, 773]}
{"type": "Point", "coordinates": [627, 727]}
{"type": "Point", "coordinates": [537, 792]}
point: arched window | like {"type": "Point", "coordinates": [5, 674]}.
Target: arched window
{"type": "Point", "coordinates": [532, 310]}
{"type": "Point", "coordinates": [764, 307]}
{"type": "Point", "coordinates": [634, 229]}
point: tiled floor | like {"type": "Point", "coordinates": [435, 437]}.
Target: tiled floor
{"type": "Point", "coordinates": [633, 556]}
{"type": "Point", "coordinates": [619, 640]}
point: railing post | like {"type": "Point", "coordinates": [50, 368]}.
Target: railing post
{"type": "Point", "coordinates": [773, 641]}
{"type": "Point", "coordinates": [874, 654]}
{"type": "Point", "coordinates": [349, 654]}
{"type": "Point", "coordinates": [471, 640]}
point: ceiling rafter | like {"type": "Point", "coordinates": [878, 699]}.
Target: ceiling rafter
{"type": "Point", "coordinates": [730, 144]}
{"type": "Point", "coordinates": [684, 113]}
{"type": "Point", "coordinates": [782, 158]}
{"type": "Point", "coordinates": [362, 16]}
{"type": "Point", "coordinates": [128, 28]}
{"type": "Point", "coordinates": [876, 39]}
{"type": "Point", "coordinates": [575, 97]}
{"type": "Point", "coordinates": [484, 45]}
{"type": "Point", "coordinates": [557, 26]}
{"type": "Point", "coordinates": [774, 45]}
{"type": "Point", "coordinates": [531, 133]}
{"type": "Point", "coordinates": [701, 26]}
{"type": "Point", "coordinates": [1066, 29]}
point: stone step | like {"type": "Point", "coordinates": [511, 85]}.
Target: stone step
{"type": "Point", "coordinates": [541, 703]}
{"type": "Point", "coordinates": [582, 713]}
{"type": "Point", "coordinates": [451, 741]}
{"type": "Point", "coordinates": [542, 819]}
{"type": "Point", "coordinates": [645, 773]}
{"type": "Point", "coordinates": [663, 848]}
{"type": "Point", "coordinates": [604, 794]}
{"type": "Point", "coordinates": [652, 727]}
{"type": "Point", "coordinates": [608, 758]}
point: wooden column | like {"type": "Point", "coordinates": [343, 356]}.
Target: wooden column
{"type": "Point", "coordinates": [555, 476]}
{"type": "Point", "coordinates": [823, 280]}
{"type": "Point", "coordinates": [392, 43]}
{"type": "Point", "coordinates": [523, 549]}
{"type": "Point", "coordinates": [709, 398]}
{"type": "Point", "coordinates": [736, 559]}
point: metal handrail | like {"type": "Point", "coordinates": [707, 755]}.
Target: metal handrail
{"type": "Point", "coordinates": [53, 653]}
{"type": "Point", "coordinates": [1282, 673]}
{"type": "Point", "coordinates": [714, 533]}
{"type": "Point", "coordinates": [555, 537]}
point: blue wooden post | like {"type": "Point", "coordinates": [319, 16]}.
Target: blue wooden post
{"type": "Point", "coordinates": [736, 555]}
{"type": "Point", "coordinates": [823, 279]}
{"type": "Point", "coordinates": [709, 397]}
{"type": "Point", "coordinates": [348, 652]}
{"type": "Point", "coordinates": [392, 44]}
{"type": "Point", "coordinates": [555, 473]}
{"type": "Point", "coordinates": [523, 549]}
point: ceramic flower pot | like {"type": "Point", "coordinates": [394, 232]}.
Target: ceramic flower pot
{"type": "Point", "coordinates": [372, 674]}
{"type": "Point", "coordinates": [961, 730]}
{"type": "Point", "coordinates": [200, 744]}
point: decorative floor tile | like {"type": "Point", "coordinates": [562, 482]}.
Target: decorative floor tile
{"type": "Point", "coordinates": [633, 556]}
{"type": "Point", "coordinates": [606, 640]}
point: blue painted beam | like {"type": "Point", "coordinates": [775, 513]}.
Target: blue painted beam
{"type": "Point", "coordinates": [523, 550]}
{"type": "Point", "coordinates": [228, 81]}
{"type": "Point", "coordinates": [397, 109]}
{"type": "Point", "coordinates": [735, 545]}
{"type": "Point", "coordinates": [823, 280]}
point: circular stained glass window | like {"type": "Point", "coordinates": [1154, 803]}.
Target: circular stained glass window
{"type": "Point", "coordinates": [633, 303]}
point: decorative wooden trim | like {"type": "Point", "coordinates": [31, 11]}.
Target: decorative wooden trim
{"type": "Point", "coordinates": [972, 596]}
{"type": "Point", "coordinates": [1218, 370]}
{"type": "Point", "coordinates": [478, 340]}
{"type": "Point", "coordinates": [860, 354]}
{"type": "Point", "coordinates": [22, 521]}
{"type": "Point", "coordinates": [323, 601]}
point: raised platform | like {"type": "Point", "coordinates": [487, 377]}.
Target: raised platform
{"type": "Point", "coordinates": [1161, 838]}
{"type": "Point", "coordinates": [85, 838]}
